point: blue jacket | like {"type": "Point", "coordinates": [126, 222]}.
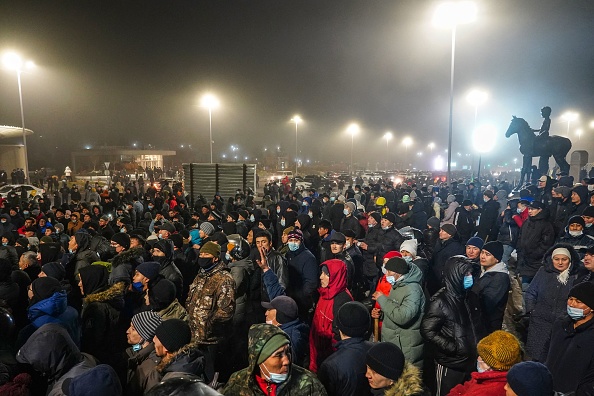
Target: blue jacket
{"type": "Point", "coordinates": [343, 372]}
{"type": "Point", "coordinates": [54, 309]}
{"type": "Point", "coordinates": [303, 278]}
{"type": "Point", "coordinates": [298, 332]}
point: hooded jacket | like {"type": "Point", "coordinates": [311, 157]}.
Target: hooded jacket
{"type": "Point", "coordinates": [51, 310]}
{"type": "Point", "coordinates": [299, 382]}
{"type": "Point", "coordinates": [536, 237]}
{"type": "Point", "coordinates": [168, 268]}
{"type": "Point", "coordinates": [448, 323]}
{"type": "Point", "coordinates": [188, 359]}
{"type": "Point", "coordinates": [303, 278]}
{"type": "Point", "coordinates": [83, 256]}
{"type": "Point", "coordinates": [546, 301]}
{"type": "Point", "coordinates": [487, 228]}
{"type": "Point", "coordinates": [492, 289]}
{"type": "Point", "coordinates": [241, 270]}
{"type": "Point", "coordinates": [409, 383]}
{"type": "Point", "coordinates": [124, 264]}
{"type": "Point", "coordinates": [577, 210]}
{"type": "Point", "coordinates": [489, 383]}
{"type": "Point", "coordinates": [403, 313]}
{"type": "Point", "coordinates": [51, 351]}
{"type": "Point", "coordinates": [324, 330]}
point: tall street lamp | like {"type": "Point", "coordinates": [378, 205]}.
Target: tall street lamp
{"type": "Point", "coordinates": [296, 119]}
{"type": "Point", "coordinates": [407, 141]}
{"type": "Point", "coordinates": [387, 136]}
{"type": "Point", "coordinates": [569, 116]}
{"type": "Point", "coordinates": [476, 97]}
{"type": "Point", "coordinates": [210, 102]}
{"type": "Point", "coordinates": [14, 62]}
{"type": "Point", "coordinates": [451, 14]}
{"type": "Point", "coordinates": [353, 129]}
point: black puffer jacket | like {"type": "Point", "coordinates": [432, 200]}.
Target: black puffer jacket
{"type": "Point", "coordinates": [487, 228]}
{"type": "Point", "coordinates": [169, 270]}
{"type": "Point", "coordinates": [373, 241]}
{"type": "Point", "coordinates": [536, 237]}
{"type": "Point", "coordinates": [124, 264]}
{"type": "Point", "coordinates": [441, 253]}
{"type": "Point", "coordinates": [390, 239]}
{"type": "Point", "coordinates": [447, 324]}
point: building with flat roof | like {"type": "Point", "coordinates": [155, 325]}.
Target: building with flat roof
{"type": "Point", "coordinates": [12, 150]}
{"type": "Point", "coordinates": [96, 157]}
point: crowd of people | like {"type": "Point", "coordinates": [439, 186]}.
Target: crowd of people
{"type": "Point", "coordinates": [368, 289]}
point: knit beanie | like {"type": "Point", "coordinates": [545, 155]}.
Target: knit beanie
{"type": "Point", "coordinates": [398, 265]}
{"type": "Point", "coordinates": [296, 234]}
{"type": "Point", "coordinates": [410, 245]}
{"type": "Point", "coordinates": [46, 239]}
{"type": "Point", "coordinates": [500, 350]}
{"type": "Point", "coordinates": [54, 269]}
{"type": "Point", "coordinates": [495, 248]}
{"type": "Point", "coordinates": [174, 334]}
{"type": "Point", "coordinates": [146, 323]}
{"type": "Point", "coordinates": [207, 228]}
{"type": "Point", "coordinates": [562, 251]}
{"type": "Point", "coordinates": [149, 269]}
{"type": "Point", "coordinates": [177, 239]}
{"type": "Point", "coordinates": [376, 216]}
{"type": "Point", "coordinates": [353, 319]}
{"type": "Point", "coordinates": [272, 345]}
{"type": "Point", "coordinates": [450, 229]}
{"type": "Point", "coordinates": [386, 359]}
{"type": "Point", "coordinates": [576, 220]}
{"type": "Point", "coordinates": [43, 288]}
{"type": "Point", "coordinates": [121, 239]}
{"type": "Point", "coordinates": [433, 222]}
{"type": "Point", "coordinates": [391, 217]}
{"type": "Point", "coordinates": [161, 293]}
{"type": "Point", "coordinates": [476, 241]}
{"type": "Point", "coordinates": [530, 379]}
{"type": "Point", "coordinates": [584, 292]}
{"type": "Point", "coordinates": [211, 248]}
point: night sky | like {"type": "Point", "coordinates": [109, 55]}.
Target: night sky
{"type": "Point", "coordinates": [124, 72]}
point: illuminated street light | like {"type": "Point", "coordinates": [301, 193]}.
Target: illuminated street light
{"type": "Point", "coordinates": [13, 61]}
{"type": "Point", "coordinates": [483, 140]}
{"type": "Point", "coordinates": [431, 146]}
{"type": "Point", "coordinates": [353, 129]}
{"type": "Point", "coordinates": [210, 102]}
{"type": "Point", "coordinates": [297, 120]}
{"type": "Point", "coordinates": [388, 136]}
{"type": "Point", "coordinates": [451, 14]}
{"type": "Point", "coordinates": [407, 141]}
{"type": "Point", "coordinates": [592, 124]}
{"type": "Point", "coordinates": [579, 133]}
{"type": "Point", "coordinates": [569, 116]}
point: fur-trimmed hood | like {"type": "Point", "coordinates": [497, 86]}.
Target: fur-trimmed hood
{"type": "Point", "coordinates": [114, 296]}
{"type": "Point", "coordinates": [187, 359]}
{"type": "Point", "coordinates": [132, 256]}
{"type": "Point", "coordinates": [409, 383]}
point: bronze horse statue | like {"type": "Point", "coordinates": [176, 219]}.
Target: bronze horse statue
{"type": "Point", "coordinates": [533, 146]}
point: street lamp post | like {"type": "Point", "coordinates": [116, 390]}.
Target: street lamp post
{"type": "Point", "coordinates": [387, 136]}
{"type": "Point", "coordinates": [210, 102]}
{"type": "Point", "coordinates": [569, 116]}
{"type": "Point", "coordinates": [476, 97]}
{"type": "Point", "coordinates": [14, 62]}
{"type": "Point", "coordinates": [407, 141]}
{"type": "Point", "coordinates": [296, 119]}
{"type": "Point", "coordinates": [452, 14]}
{"type": "Point", "coordinates": [352, 129]}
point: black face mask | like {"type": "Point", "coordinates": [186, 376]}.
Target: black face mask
{"type": "Point", "coordinates": [205, 262]}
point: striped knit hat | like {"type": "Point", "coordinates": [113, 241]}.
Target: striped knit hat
{"type": "Point", "coordinates": [500, 350]}
{"type": "Point", "coordinates": [146, 323]}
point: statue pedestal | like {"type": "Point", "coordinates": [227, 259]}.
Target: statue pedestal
{"type": "Point", "coordinates": [579, 159]}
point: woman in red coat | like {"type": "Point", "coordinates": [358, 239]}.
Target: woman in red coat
{"type": "Point", "coordinates": [333, 294]}
{"type": "Point", "coordinates": [498, 352]}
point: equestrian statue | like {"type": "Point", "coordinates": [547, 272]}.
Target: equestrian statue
{"type": "Point", "coordinates": [541, 145]}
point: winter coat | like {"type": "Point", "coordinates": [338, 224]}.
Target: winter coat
{"type": "Point", "coordinates": [582, 192]}
{"type": "Point", "coordinates": [560, 212]}
{"type": "Point", "coordinates": [211, 304]}
{"type": "Point", "coordinates": [303, 278]}
{"type": "Point", "coordinates": [299, 382]}
{"type": "Point", "coordinates": [403, 313]}
{"type": "Point", "coordinates": [54, 309]}
{"type": "Point", "coordinates": [335, 215]}
{"type": "Point", "coordinates": [409, 384]}
{"type": "Point", "coordinates": [441, 253]}
{"type": "Point", "coordinates": [343, 373]}
{"type": "Point", "coordinates": [430, 238]}
{"type": "Point", "coordinates": [571, 357]}
{"type": "Point", "coordinates": [464, 222]}
{"type": "Point", "coordinates": [51, 351]}
{"type": "Point", "coordinates": [324, 330]}
{"type": "Point", "coordinates": [373, 241]}
{"type": "Point", "coordinates": [509, 231]}
{"type": "Point", "coordinates": [170, 272]}
{"type": "Point", "coordinates": [579, 243]}
{"type": "Point", "coordinates": [10, 292]}
{"type": "Point", "coordinates": [447, 324]}
{"type": "Point", "coordinates": [492, 289]}
{"type": "Point", "coordinates": [546, 301]}
{"type": "Point", "coordinates": [135, 379]}
{"type": "Point", "coordinates": [489, 383]}
{"type": "Point", "coordinates": [390, 239]}
{"type": "Point", "coordinates": [241, 271]}
{"type": "Point", "coordinates": [448, 217]}
{"type": "Point", "coordinates": [103, 325]}
{"type": "Point", "coordinates": [418, 218]}
{"type": "Point", "coordinates": [536, 237]}
{"type": "Point", "coordinates": [174, 311]}
{"type": "Point", "coordinates": [124, 264]}
{"type": "Point", "coordinates": [487, 228]}
{"type": "Point", "coordinates": [278, 264]}
{"type": "Point", "coordinates": [298, 333]}
{"type": "Point", "coordinates": [188, 360]}
{"type": "Point", "coordinates": [351, 223]}
{"type": "Point", "coordinates": [79, 260]}
{"type": "Point", "coordinates": [9, 253]}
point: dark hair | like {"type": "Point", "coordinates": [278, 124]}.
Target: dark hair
{"type": "Point", "coordinates": [325, 224]}
{"type": "Point", "coordinates": [262, 233]}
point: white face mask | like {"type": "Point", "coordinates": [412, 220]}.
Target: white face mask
{"type": "Point", "coordinates": [575, 233]}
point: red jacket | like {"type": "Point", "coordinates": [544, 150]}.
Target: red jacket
{"type": "Point", "coordinates": [489, 383]}
{"type": "Point", "coordinates": [321, 336]}
{"type": "Point", "coordinates": [521, 218]}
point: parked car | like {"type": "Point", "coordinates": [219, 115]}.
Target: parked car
{"type": "Point", "coordinates": [17, 188]}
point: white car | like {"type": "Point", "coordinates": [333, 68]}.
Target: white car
{"type": "Point", "coordinates": [31, 190]}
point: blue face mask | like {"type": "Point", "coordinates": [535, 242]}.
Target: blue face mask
{"type": "Point", "coordinates": [283, 222]}
{"type": "Point", "coordinates": [293, 246]}
{"type": "Point", "coordinates": [71, 251]}
{"type": "Point", "coordinates": [136, 347]}
{"type": "Point", "coordinates": [519, 210]}
{"type": "Point", "coordinates": [137, 286]}
{"type": "Point", "coordinates": [4, 243]}
{"type": "Point", "coordinates": [277, 210]}
{"type": "Point", "coordinates": [370, 225]}
{"type": "Point", "coordinates": [228, 256]}
{"type": "Point", "coordinates": [391, 280]}
{"type": "Point", "coordinates": [468, 281]}
{"type": "Point", "coordinates": [122, 229]}
{"type": "Point", "coordinates": [274, 377]}
{"type": "Point", "coordinates": [252, 218]}
{"type": "Point", "coordinates": [575, 313]}
{"type": "Point", "coordinates": [408, 259]}
{"type": "Point", "coordinates": [478, 367]}
{"type": "Point", "coordinates": [386, 228]}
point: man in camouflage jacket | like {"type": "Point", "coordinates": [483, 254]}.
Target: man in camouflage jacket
{"type": "Point", "coordinates": [211, 299]}
{"type": "Point", "coordinates": [251, 380]}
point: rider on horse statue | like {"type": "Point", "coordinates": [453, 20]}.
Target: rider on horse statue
{"type": "Point", "coordinates": [543, 132]}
